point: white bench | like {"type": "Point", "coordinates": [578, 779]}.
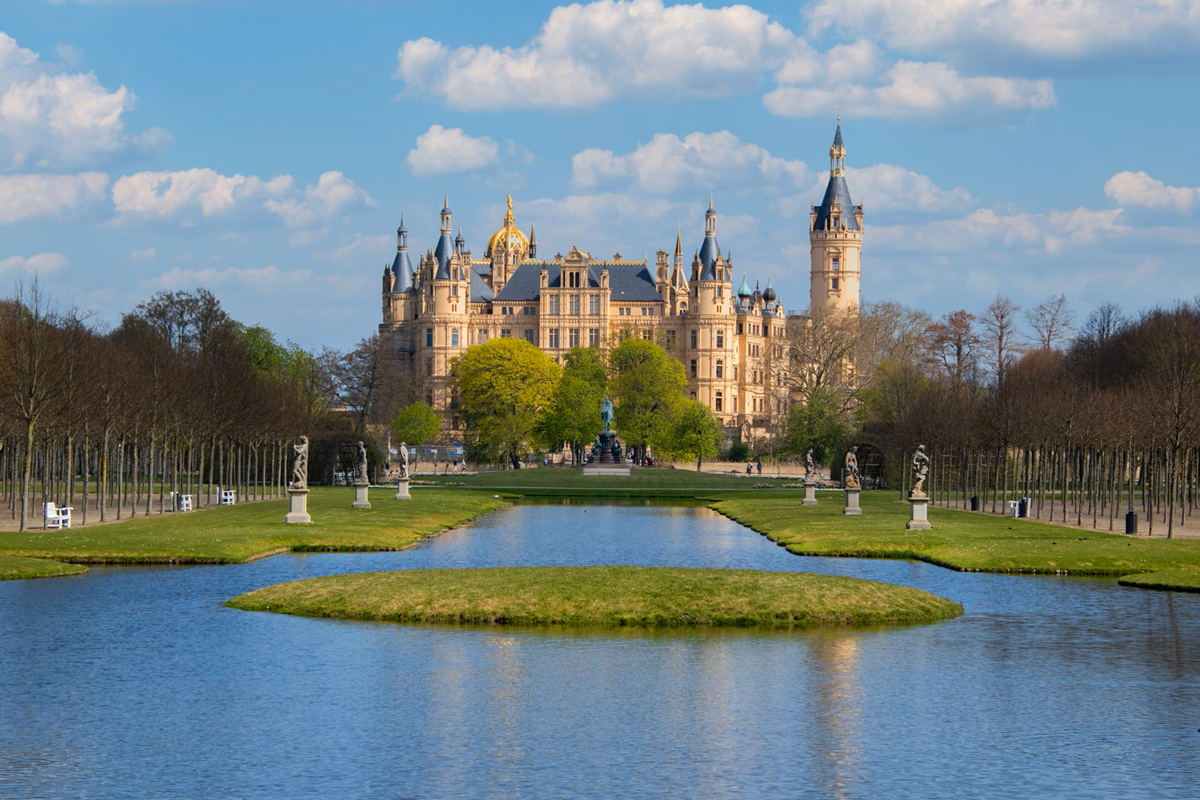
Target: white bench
{"type": "Point", "coordinates": [228, 497]}
{"type": "Point", "coordinates": [181, 502]}
{"type": "Point", "coordinates": [57, 517]}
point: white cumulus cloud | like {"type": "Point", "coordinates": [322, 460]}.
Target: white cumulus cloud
{"type": "Point", "coordinates": [442, 150]}
{"type": "Point", "coordinates": [41, 264]}
{"type": "Point", "coordinates": [1139, 189]}
{"type": "Point", "coordinates": [887, 187]}
{"type": "Point", "coordinates": [668, 164]}
{"type": "Point", "coordinates": [49, 117]}
{"type": "Point", "coordinates": [1051, 232]}
{"type": "Point", "coordinates": [261, 280]}
{"type": "Point", "coordinates": [206, 192]}
{"type": "Point", "coordinates": [24, 197]}
{"type": "Point", "coordinates": [1050, 29]}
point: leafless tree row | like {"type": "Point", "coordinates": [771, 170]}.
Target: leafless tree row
{"type": "Point", "coordinates": [178, 398]}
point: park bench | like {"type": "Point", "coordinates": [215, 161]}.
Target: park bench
{"type": "Point", "coordinates": [228, 497]}
{"type": "Point", "coordinates": [181, 502]}
{"type": "Point", "coordinates": [57, 517]}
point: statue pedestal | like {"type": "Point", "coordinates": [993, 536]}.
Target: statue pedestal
{"type": "Point", "coordinates": [918, 516]}
{"type": "Point", "coordinates": [852, 506]}
{"type": "Point", "coordinates": [298, 514]}
{"type": "Point", "coordinates": [401, 490]}
{"type": "Point", "coordinates": [360, 496]}
{"type": "Point", "coordinates": [810, 494]}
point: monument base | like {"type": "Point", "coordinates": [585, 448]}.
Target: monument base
{"type": "Point", "coordinates": [360, 496]}
{"type": "Point", "coordinates": [298, 513]}
{"type": "Point", "coordinates": [402, 490]}
{"type": "Point", "coordinates": [918, 516]}
{"type": "Point", "coordinates": [852, 506]}
{"type": "Point", "coordinates": [810, 494]}
{"type": "Point", "coordinates": [594, 469]}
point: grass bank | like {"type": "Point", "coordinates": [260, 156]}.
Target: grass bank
{"type": "Point", "coordinates": [236, 534]}
{"type": "Point", "coordinates": [1186, 579]}
{"type": "Point", "coordinates": [959, 540]}
{"type": "Point", "coordinates": [16, 568]}
{"type": "Point", "coordinates": [606, 596]}
{"type": "Point", "coordinates": [653, 482]}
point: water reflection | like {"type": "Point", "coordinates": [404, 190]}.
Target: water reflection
{"type": "Point", "coordinates": [136, 683]}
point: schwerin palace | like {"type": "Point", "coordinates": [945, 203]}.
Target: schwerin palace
{"type": "Point", "coordinates": [727, 340]}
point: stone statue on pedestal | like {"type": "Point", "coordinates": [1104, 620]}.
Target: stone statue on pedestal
{"type": "Point", "coordinates": [920, 468]}
{"type": "Point", "coordinates": [361, 473]}
{"type": "Point", "coordinates": [852, 478]}
{"type": "Point", "coordinates": [403, 460]}
{"type": "Point", "coordinates": [606, 413]}
{"type": "Point", "coordinates": [300, 469]}
{"type": "Point", "coordinates": [810, 467]}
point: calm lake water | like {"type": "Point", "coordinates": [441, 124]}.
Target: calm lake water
{"type": "Point", "coordinates": [136, 683]}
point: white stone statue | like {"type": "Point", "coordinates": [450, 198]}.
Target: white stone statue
{"type": "Point", "coordinates": [403, 460]}
{"type": "Point", "coordinates": [300, 470]}
{"type": "Point", "coordinates": [920, 468]}
{"type": "Point", "coordinates": [362, 464]}
{"type": "Point", "coordinates": [852, 478]}
{"type": "Point", "coordinates": [810, 468]}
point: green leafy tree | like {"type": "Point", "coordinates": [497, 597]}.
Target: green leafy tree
{"type": "Point", "coordinates": [693, 432]}
{"type": "Point", "coordinates": [505, 386]}
{"type": "Point", "coordinates": [819, 425]}
{"type": "Point", "coordinates": [574, 414]}
{"type": "Point", "coordinates": [646, 389]}
{"type": "Point", "coordinates": [415, 425]}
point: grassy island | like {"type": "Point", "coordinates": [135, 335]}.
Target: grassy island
{"type": "Point", "coordinates": [16, 568]}
{"type": "Point", "coordinates": [236, 534]}
{"type": "Point", "coordinates": [1176, 580]}
{"type": "Point", "coordinates": [606, 596]}
{"type": "Point", "coordinates": [959, 539]}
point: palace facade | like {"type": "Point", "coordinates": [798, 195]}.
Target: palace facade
{"type": "Point", "coordinates": [730, 341]}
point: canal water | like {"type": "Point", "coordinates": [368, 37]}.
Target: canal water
{"type": "Point", "coordinates": [136, 683]}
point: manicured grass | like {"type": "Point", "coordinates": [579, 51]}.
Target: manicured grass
{"type": "Point", "coordinates": [1186, 579]}
{"type": "Point", "coordinates": [15, 568]}
{"type": "Point", "coordinates": [579, 596]}
{"type": "Point", "coordinates": [959, 540]}
{"type": "Point", "coordinates": [641, 482]}
{"type": "Point", "coordinates": [235, 534]}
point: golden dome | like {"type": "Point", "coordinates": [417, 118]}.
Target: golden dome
{"type": "Point", "coordinates": [508, 239]}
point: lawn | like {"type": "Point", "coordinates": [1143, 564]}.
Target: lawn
{"type": "Point", "coordinates": [641, 482]}
{"type": "Point", "coordinates": [1185, 579]}
{"type": "Point", "coordinates": [16, 568]}
{"type": "Point", "coordinates": [608, 596]}
{"type": "Point", "coordinates": [959, 539]}
{"type": "Point", "coordinates": [235, 534]}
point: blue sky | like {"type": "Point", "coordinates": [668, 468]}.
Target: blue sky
{"type": "Point", "coordinates": [266, 149]}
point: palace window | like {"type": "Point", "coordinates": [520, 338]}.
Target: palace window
{"type": "Point", "coordinates": [734, 399]}
{"type": "Point", "coordinates": [594, 305]}
{"type": "Point", "coordinates": [836, 263]}
{"type": "Point", "coordinates": [646, 334]}
{"type": "Point", "coordinates": [593, 336]}
{"type": "Point", "coordinates": [554, 305]}
{"type": "Point", "coordinates": [454, 337]}
{"type": "Point", "coordinates": [693, 367]}
{"type": "Point", "coordinates": [429, 398]}
{"type": "Point", "coordinates": [482, 335]}
{"type": "Point", "coordinates": [720, 340]}
{"type": "Point", "coordinates": [429, 367]}
{"type": "Point", "coordinates": [718, 406]}
{"type": "Point", "coordinates": [573, 337]}
{"type": "Point", "coordinates": [506, 333]}
{"type": "Point", "coordinates": [529, 336]}
{"type": "Point", "coordinates": [574, 304]}
{"type": "Point", "coordinates": [429, 337]}
{"type": "Point", "coordinates": [833, 284]}
{"type": "Point", "coordinates": [720, 291]}
{"type": "Point", "coordinates": [531, 310]}
{"type": "Point", "coordinates": [735, 370]}
{"type": "Point", "coordinates": [454, 291]}
{"type": "Point", "coordinates": [670, 340]}
{"type": "Point", "coordinates": [573, 280]}
{"type": "Point", "coordinates": [554, 338]}
{"type": "Point", "coordinates": [720, 368]}
{"type": "Point", "coordinates": [693, 340]}
{"type": "Point", "coordinates": [739, 329]}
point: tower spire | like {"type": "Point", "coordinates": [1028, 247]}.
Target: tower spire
{"type": "Point", "coordinates": [837, 153]}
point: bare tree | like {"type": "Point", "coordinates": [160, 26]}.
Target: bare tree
{"type": "Point", "coordinates": [955, 344]}
{"type": "Point", "coordinates": [819, 353]}
{"type": "Point", "coordinates": [1001, 336]}
{"type": "Point", "coordinates": [1052, 322]}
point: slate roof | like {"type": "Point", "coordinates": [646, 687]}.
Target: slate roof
{"type": "Point", "coordinates": [480, 291]}
{"type": "Point", "coordinates": [708, 258]}
{"type": "Point", "coordinates": [445, 248]}
{"type": "Point", "coordinates": [837, 188]}
{"type": "Point", "coordinates": [837, 137]}
{"type": "Point", "coordinates": [402, 269]}
{"type": "Point", "coordinates": [626, 282]}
